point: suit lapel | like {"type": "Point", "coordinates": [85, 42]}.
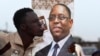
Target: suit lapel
{"type": "Point", "coordinates": [44, 51]}
{"type": "Point", "coordinates": [64, 49]}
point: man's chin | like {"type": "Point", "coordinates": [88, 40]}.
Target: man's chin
{"type": "Point", "coordinates": [56, 34]}
{"type": "Point", "coordinates": [40, 35]}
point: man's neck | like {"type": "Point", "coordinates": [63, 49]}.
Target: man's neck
{"type": "Point", "coordinates": [26, 39]}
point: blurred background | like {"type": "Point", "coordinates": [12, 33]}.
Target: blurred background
{"type": "Point", "coordinates": [85, 13]}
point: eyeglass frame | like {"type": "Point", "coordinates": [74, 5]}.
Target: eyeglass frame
{"type": "Point", "coordinates": [59, 16]}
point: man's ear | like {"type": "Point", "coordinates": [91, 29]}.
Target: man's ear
{"type": "Point", "coordinates": [23, 26]}
{"type": "Point", "coordinates": [71, 22]}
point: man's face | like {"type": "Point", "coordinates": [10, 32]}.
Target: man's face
{"type": "Point", "coordinates": [59, 22]}
{"type": "Point", "coordinates": [32, 25]}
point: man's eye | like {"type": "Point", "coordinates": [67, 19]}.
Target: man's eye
{"type": "Point", "coordinates": [61, 17]}
{"type": "Point", "coordinates": [52, 17]}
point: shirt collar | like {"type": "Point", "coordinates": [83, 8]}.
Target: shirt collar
{"type": "Point", "coordinates": [18, 40]}
{"type": "Point", "coordinates": [61, 42]}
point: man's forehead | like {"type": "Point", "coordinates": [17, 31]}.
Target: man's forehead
{"type": "Point", "coordinates": [58, 7]}
{"type": "Point", "coordinates": [58, 10]}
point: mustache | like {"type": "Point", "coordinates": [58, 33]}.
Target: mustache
{"type": "Point", "coordinates": [57, 27]}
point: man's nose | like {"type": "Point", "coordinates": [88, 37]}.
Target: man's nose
{"type": "Point", "coordinates": [56, 20]}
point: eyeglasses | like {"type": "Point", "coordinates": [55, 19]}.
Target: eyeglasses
{"type": "Point", "coordinates": [60, 17]}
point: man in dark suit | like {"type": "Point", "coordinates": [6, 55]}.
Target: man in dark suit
{"type": "Point", "coordinates": [60, 23]}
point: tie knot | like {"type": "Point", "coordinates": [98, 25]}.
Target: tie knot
{"type": "Point", "coordinates": [56, 46]}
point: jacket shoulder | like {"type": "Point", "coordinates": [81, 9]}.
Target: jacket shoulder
{"type": "Point", "coordinates": [44, 51]}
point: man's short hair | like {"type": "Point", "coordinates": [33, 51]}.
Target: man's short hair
{"type": "Point", "coordinates": [96, 53]}
{"type": "Point", "coordinates": [19, 16]}
{"type": "Point", "coordinates": [67, 9]}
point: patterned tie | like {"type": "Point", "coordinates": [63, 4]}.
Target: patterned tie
{"type": "Point", "coordinates": [55, 49]}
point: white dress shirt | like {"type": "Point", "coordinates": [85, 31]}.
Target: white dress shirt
{"type": "Point", "coordinates": [60, 43]}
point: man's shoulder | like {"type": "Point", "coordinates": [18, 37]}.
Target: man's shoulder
{"type": "Point", "coordinates": [13, 34]}
{"type": "Point", "coordinates": [4, 39]}
{"type": "Point", "coordinates": [43, 51]}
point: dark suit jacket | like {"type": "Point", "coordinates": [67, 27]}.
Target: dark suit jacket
{"type": "Point", "coordinates": [63, 52]}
